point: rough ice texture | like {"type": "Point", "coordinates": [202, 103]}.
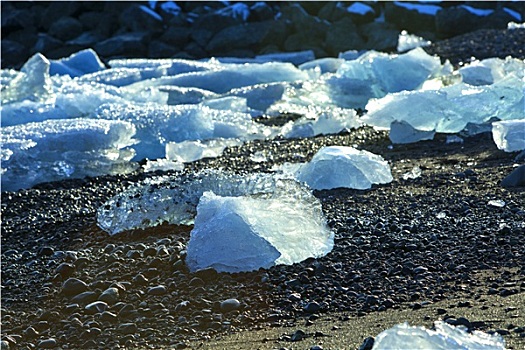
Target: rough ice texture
{"type": "Point", "coordinates": [407, 41]}
{"type": "Point", "coordinates": [174, 200]}
{"type": "Point", "coordinates": [509, 135]}
{"type": "Point", "coordinates": [189, 151]}
{"type": "Point", "coordinates": [445, 337]}
{"type": "Point", "coordinates": [78, 64]}
{"type": "Point", "coordinates": [340, 166]}
{"type": "Point", "coordinates": [450, 109]}
{"type": "Point", "coordinates": [245, 233]}
{"type": "Point", "coordinates": [60, 149]}
{"type": "Point", "coordinates": [159, 124]}
{"type": "Point", "coordinates": [402, 132]}
{"type": "Point", "coordinates": [491, 70]}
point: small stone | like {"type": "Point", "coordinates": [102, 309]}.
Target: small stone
{"type": "Point", "coordinates": [96, 307]}
{"type": "Point", "coordinates": [65, 270]}
{"type": "Point", "coordinates": [84, 298]}
{"type": "Point", "coordinates": [367, 344]}
{"type": "Point", "coordinates": [110, 295]}
{"type": "Point", "coordinates": [46, 251]}
{"type": "Point", "coordinates": [316, 347]}
{"type": "Point", "coordinates": [157, 290]}
{"type": "Point", "coordinates": [73, 286]}
{"type": "Point", "coordinates": [230, 305]}
{"type": "Point", "coordinates": [30, 332]}
{"type": "Point", "coordinates": [127, 328]}
{"type": "Point", "coordinates": [47, 343]}
{"type": "Point", "coordinates": [4, 345]}
{"type": "Point", "coordinates": [196, 282]}
{"type": "Point", "coordinates": [107, 316]}
{"type": "Point", "coordinates": [298, 335]}
{"type": "Point", "coordinates": [312, 307]}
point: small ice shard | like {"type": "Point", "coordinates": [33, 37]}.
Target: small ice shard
{"type": "Point", "coordinates": [444, 337]}
{"type": "Point", "coordinates": [340, 166]}
{"type": "Point", "coordinates": [79, 63]}
{"type": "Point", "coordinates": [498, 203]}
{"type": "Point", "coordinates": [509, 135]}
{"type": "Point", "coordinates": [245, 233]}
{"type": "Point", "coordinates": [514, 25]}
{"type": "Point", "coordinates": [407, 41]}
{"type": "Point", "coordinates": [258, 157]}
{"type": "Point", "coordinates": [33, 83]}
{"type": "Point", "coordinates": [441, 215]}
{"type": "Point", "coordinates": [162, 165]}
{"type": "Point", "coordinates": [453, 139]}
{"type": "Point", "coordinates": [174, 200]}
{"type": "Point", "coordinates": [189, 151]}
{"type": "Point", "coordinates": [403, 132]}
{"type": "Point", "coordinates": [412, 174]}
{"type": "Point", "coordinates": [59, 149]}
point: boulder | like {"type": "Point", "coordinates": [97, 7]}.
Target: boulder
{"type": "Point", "coordinates": [342, 36]}
{"type": "Point", "coordinates": [332, 12]}
{"type": "Point", "coordinates": [380, 36]}
{"type": "Point", "coordinates": [46, 43]}
{"type": "Point", "coordinates": [57, 10]}
{"type": "Point", "coordinates": [243, 36]}
{"type": "Point", "coordinates": [138, 18]}
{"type": "Point", "coordinates": [65, 28]}
{"type": "Point", "coordinates": [158, 49]}
{"type": "Point", "coordinates": [125, 43]}
{"type": "Point", "coordinates": [176, 36]}
{"type": "Point", "coordinates": [413, 18]}
{"type": "Point", "coordinates": [13, 53]}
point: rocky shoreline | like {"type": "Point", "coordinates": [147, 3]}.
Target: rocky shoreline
{"type": "Point", "coordinates": [440, 245]}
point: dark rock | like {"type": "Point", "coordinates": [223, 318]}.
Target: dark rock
{"type": "Point", "coordinates": [242, 36]}
{"type": "Point", "coordinates": [123, 44]}
{"type": "Point", "coordinates": [298, 335]}
{"type": "Point", "coordinates": [208, 275]}
{"type": "Point", "coordinates": [176, 36]}
{"type": "Point", "coordinates": [380, 36]}
{"type": "Point", "coordinates": [57, 10]}
{"type": "Point", "coordinates": [16, 19]}
{"type": "Point", "coordinates": [107, 316]}
{"type": "Point", "coordinates": [85, 40]}
{"type": "Point", "coordinates": [343, 36]}
{"type": "Point", "coordinates": [110, 295]}
{"type": "Point", "coordinates": [196, 282]}
{"type": "Point", "coordinates": [157, 290]}
{"type": "Point", "coordinates": [367, 344]}
{"type": "Point", "coordinates": [261, 11]}
{"type": "Point", "coordinates": [365, 14]}
{"type": "Point", "coordinates": [13, 53]}
{"type": "Point", "coordinates": [230, 305]}
{"type": "Point", "coordinates": [96, 307]}
{"type": "Point", "coordinates": [65, 28]}
{"type": "Point", "coordinates": [332, 11]}
{"type": "Point", "coordinates": [45, 43]}
{"type": "Point", "coordinates": [127, 328]}
{"type": "Point", "coordinates": [312, 307]}
{"type": "Point", "coordinates": [101, 23]}
{"type": "Point", "coordinates": [65, 269]}
{"type": "Point", "coordinates": [409, 19]}
{"type": "Point", "coordinates": [49, 343]}
{"type": "Point", "coordinates": [138, 18]}
{"type": "Point", "coordinates": [515, 179]}
{"type": "Point", "coordinates": [158, 49]}
{"type": "Point", "coordinates": [84, 298]}
{"type": "Point", "coordinates": [73, 286]}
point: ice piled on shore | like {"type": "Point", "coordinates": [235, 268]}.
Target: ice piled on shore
{"type": "Point", "coordinates": [444, 337]}
{"type": "Point", "coordinates": [340, 166]}
{"type": "Point", "coordinates": [59, 149]}
{"type": "Point", "coordinates": [509, 135]}
{"type": "Point", "coordinates": [245, 233]}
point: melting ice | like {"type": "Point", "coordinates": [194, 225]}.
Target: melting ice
{"type": "Point", "coordinates": [444, 337]}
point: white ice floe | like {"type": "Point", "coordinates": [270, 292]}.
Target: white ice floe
{"type": "Point", "coordinates": [78, 64]}
{"type": "Point", "coordinates": [189, 151]}
{"type": "Point", "coordinates": [340, 166]}
{"type": "Point", "coordinates": [245, 233]}
{"type": "Point", "coordinates": [509, 135]}
{"type": "Point", "coordinates": [406, 41]}
{"type": "Point", "coordinates": [59, 149]}
{"type": "Point", "coordinates": [444, 337]}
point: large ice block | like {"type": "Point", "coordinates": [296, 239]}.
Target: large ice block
{"type": "Point", "coordinates": [58, 149]}
{"type": "Point", "coordinates": [174, 199]}
{"type": "Point", "coordinates": [245, 233]}
{"type": "Point", "coordinates": [189, 151]}
{"type": "Point", "coordinates": [78, 64]}
{"type": "Point", "coordinates": [340, 166]}
{"type": "Point", "coordinates": [444, 337]}
{"type": "Point", "coordinates": [509, 135]}
{"type": "Point", "coordinates": [158, 124]}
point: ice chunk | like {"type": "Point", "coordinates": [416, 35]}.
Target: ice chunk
{"type": "Point", "coordinates": [59, 149]}
{"type": "Point", "coordinates": [181, 96]}
{"type": "Point", "coordinates": [295, 58]}
{"type": "Point", "coordinates": [79, 63]}
{"type": "Point", "coordinates": [324, 65]}
{"type": "Point", "coordinates": [163, 165]}
{"type": "Point", "coordinates": [340, 166]}
{"type": "Point", "coordinates": [235, 76]}
{"type": "Point", "coordinates": [159, 124]}
{"type": "Point", "coordinates": [445, 337]}
{"type": "Point", "coordinates": [407, 41]}
{"type": "Point", "coordinates": [403, 132]}
{"type": "Point", "coordinates": [33, 83]}
{"type": "Point", "coordinates": [28, 112]}
{"type": "Point", "coordinates": [509, 135]}
{"type": "Point", "coordinates": [491, 70]}
{"type": "Point", "coordinates": [319, 121]}
{"type": "Point", "coordinates": [391, 73]}
{"type": "Point", "coordinates": [450, 109]}
{"type": "Point", "coordinates": [173, 66]}
{"type": "Point", "coordinates": [245, 233]}
{"type": "Point", "coordinates": [412, 174]}
{"type": "Point", "coordinates": [514, 25]}
{"type": "Point", "coordinates": [261, 96]}
{"type": "Point", "coordinates": [174, 199]}
{"type": "Point", "coordinates": [189, 151]}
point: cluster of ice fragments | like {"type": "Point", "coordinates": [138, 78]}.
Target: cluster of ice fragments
{"type": "Point", "coordinates": [180, 107]}
{"type": "Point", "coordinates": [444, 337]}
{"type": "Point", "coordinates": [242, 223]}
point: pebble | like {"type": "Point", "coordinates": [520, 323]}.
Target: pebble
{"type": "Point", "coordinates": [84, 298]}
{"type": "Point", "coordinates": [157, 290]}
{"type": "Point", "coordinates": [73, 286]}
{"type": "Point", "coordinates": [367, 344]}
{"type": "Point", "coordinates": [49, 343]}
{"type": "Point", "coordinates": [230, 305]}
{"type": "Point", "coordinates": [127, 328]}
{"type": "Point", "coordinates": [110, 295]}
{"type": "Point", "coordinates": [96, 307]}
{"type": "Point", "coordinates": [312, 307]}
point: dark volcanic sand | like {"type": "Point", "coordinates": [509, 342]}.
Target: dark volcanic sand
{"type": "Point", "coordinates": [398, 246]}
